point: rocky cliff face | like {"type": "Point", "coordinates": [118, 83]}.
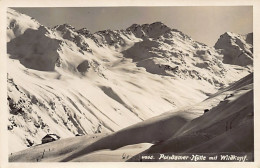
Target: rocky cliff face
{"type": "Point", "coordinates": [237, 49]}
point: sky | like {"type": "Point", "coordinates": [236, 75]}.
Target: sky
{"type": "Point", "coordinates": [204, 24]}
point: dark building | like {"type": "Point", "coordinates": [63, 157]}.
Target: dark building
{"type": "Point", "coordinates": [206, 110]}
{"type": "Point", "coordinates": [50, 138]}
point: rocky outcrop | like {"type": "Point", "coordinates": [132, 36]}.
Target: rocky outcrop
{"type": "Point", "coordinates": [237, 49]}
{"type": "Point", "coordinates": [35, 50]}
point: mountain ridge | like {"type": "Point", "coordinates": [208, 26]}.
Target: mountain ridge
{"type": "Point", "coordinates": [67, 81]}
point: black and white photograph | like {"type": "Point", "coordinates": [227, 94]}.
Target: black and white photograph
{"type": "Point", "coordinates": [130, 84]}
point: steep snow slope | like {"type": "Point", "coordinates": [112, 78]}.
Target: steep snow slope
{"type": "Point", "coordinates": [17, 23]}
{"type": "Point", "coordinates": [237, 49]}
{"type": "Point", "coordinates": [184, 130]}
{"type": "Point", "coordinates": [218, 130]}
{"type": "Point", "coordinates": [177, 55]}
{"type": "Point", "coordinates": [69, 81]}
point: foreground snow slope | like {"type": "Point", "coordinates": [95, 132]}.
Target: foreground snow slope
{"type": "Point", "coordinates": [219, 130]}
{"type": "Point", "coordinates": [67, 81]}
{"type": "Point", "coordinates": [55, 151]}
{"type": "Point", "coordinates": [184, 130]}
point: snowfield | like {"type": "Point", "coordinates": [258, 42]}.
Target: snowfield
{"type": "Point", "coordinates": [125, 90]}
{"type": "Point", "coordinates": [187, 130]}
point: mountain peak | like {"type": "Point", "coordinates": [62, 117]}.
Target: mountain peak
{"type": "Point", "coordinates": [152, 30]}
{"type": "Point", "coordinates": [84, 31]}
{"type": "Point", "coordinates": [158, 23]}
{"type": "Point", "coordinates": [154, 24]}
{"type": "Point", "coordinates": [64, 26]}
{"type": "Point", "coordinates": [237, 49]}
{"type": "Point", "coordinates": [229, 33]}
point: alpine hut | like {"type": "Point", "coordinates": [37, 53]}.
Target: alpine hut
{"type": "Point", "coordinates": [50, 138]}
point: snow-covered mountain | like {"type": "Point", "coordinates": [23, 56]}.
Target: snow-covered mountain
{"type": "Point", "coordinates": [186, 130]}
{"type": "Point", "coordinates": [17, 23]}
{"type": "Point", "coordinates": [237, 49]}
{"type": "Point", "coordinates": [67, 81]}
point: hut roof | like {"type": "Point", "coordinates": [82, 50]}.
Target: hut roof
{"type": "Point", "coordinates": [54, 136]}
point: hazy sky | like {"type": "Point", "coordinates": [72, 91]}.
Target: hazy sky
{"type": "Point", "coordinates": [204, 24]}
